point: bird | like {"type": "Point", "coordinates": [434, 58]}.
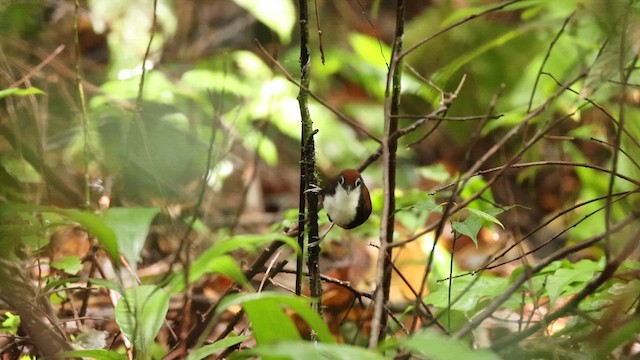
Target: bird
{"type": "Point", "coordinates": [346, 199]}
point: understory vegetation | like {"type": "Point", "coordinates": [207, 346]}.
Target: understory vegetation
{"type": "Point", "coordinates": [160, 160]}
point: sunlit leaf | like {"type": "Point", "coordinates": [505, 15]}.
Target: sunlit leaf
{"type": "Point", "coordinates": [20, 92]}
{"type": "Point", "coordinates": [69, 264]}
{"type": "Point", "coordinates": [279, 15]}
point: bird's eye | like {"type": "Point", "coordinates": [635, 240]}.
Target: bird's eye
{"type": "Point", "coordinates": [341, 180]}
{"type": "Point", "coordinates": [358, 182]}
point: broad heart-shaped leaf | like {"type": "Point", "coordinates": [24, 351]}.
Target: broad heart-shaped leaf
{"type": "Point", "coordinates": [469, 227]}
{"type": "Point", "coordinates": [279, 15]}
{"type": "Point", "coordinates": [131, 226]}
{"type": "Point", "coordinates": [307, 350]}
{"type": "Point", "coordinates": [207, 350]}
{"type": "Point", "coordinates": [487, 216]}
{"type": "Point", "coordinates": [437, 346]}
{"type": "Point", "coordinates": [140, 313]}
{"type": "Point", "coordinates": [473, 223]}
{"type": "Point", "coordinates": [268, 308]}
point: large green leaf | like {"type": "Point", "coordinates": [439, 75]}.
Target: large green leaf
{"type": "Point", "coordinates": [207, 350]}
{"type": "Point", "coordinates": [279, 15]}
{"type": "Point", "coordinates": [131, 226]}
{"type": "Point", "coordinates": [99, 354]}
{"type": "Point", "coordinates": [20, 169]}
{"type": "Point", "coordinates": [309, 351]}
{"type": "Point", "coordinates": [223, 264]}
{"type": "Point", "coordinates": [268, 308]}
{"type": "Point", "coordinates": [484, 287]}
{"type": "Point", "coordinates": [20, 92]}
{"type": "Point", "coordinates": [571, 279]}
{"type": "Point", "coordinates": [93, 223]}
{"type": "Point", "coordinates": [140, 314]}
{"type": "Point", "coordinates": [436, 346]}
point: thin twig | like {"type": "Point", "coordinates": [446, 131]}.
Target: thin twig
{"type": "Point", "coordinates": [389, 148]}
{"type": "Point", "coordinates": [515, 285]}
{"type": "Point", "coordinates": [83, 108]}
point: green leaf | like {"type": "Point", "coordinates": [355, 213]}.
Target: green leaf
{"type": "Point", "coordinates": [99, 354]}
{"type": "Point", "coordinates": [207, 350]}
{"type": "Point", "coordinates": [69, 264]}
{"type": "Point", "coordinates": [223, 264]}
{"type": "Point", "coordinates": [469, 227]}
{"type": "Point", "coordinates": [569, 281]}
{"type": "Point", "coordinates": [10, 324]}
{"type": "Point", "coordinates": [295, 350]}
{"type": "Point", "coordinates": [91, 222]}
{"type": "Point", "coordinates": [279, 15]}
{"type": "Point", "coordinates": [20, 92]}
{"type": "Point", "coordinates": [267, 308]}
{"type": "Point", "coordinates": [140, 314]}
{"type": "Point", "coordinates": [131, 226]}
{"type": "Point", "coordinates": [20, 169]}
{"type": "Point", "coordinates": [436, 346]}
{"type": "Point", "coordinates": [486, 216]}
{"type": "Point", "coordinates": [249, 242]}
{"type": "Point", "coordinates": [484, 287]}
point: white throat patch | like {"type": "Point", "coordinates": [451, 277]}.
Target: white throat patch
{"type": "Point", "coordinates": [342, 207]}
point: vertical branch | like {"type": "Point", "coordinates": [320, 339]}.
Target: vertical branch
{"type": "Point", "coordinates": [624, 79]}
{"type": "Point", "coordinates": [307, 167]}
{"type": "Point", "coordinates": [389, 147]}
{"type": "Point", "coordinates": [83, 108]}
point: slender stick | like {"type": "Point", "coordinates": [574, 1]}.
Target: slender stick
{"type": "Point", "coordinates": [307, 169]}
{"type": "Point", "coordinates": [389, 147]}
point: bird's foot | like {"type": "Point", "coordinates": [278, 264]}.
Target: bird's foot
{"type": "Point", "coordinates": [313, 188]}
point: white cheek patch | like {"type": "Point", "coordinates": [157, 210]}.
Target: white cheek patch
{"type": "Point", "coordinates": [343, 206]}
